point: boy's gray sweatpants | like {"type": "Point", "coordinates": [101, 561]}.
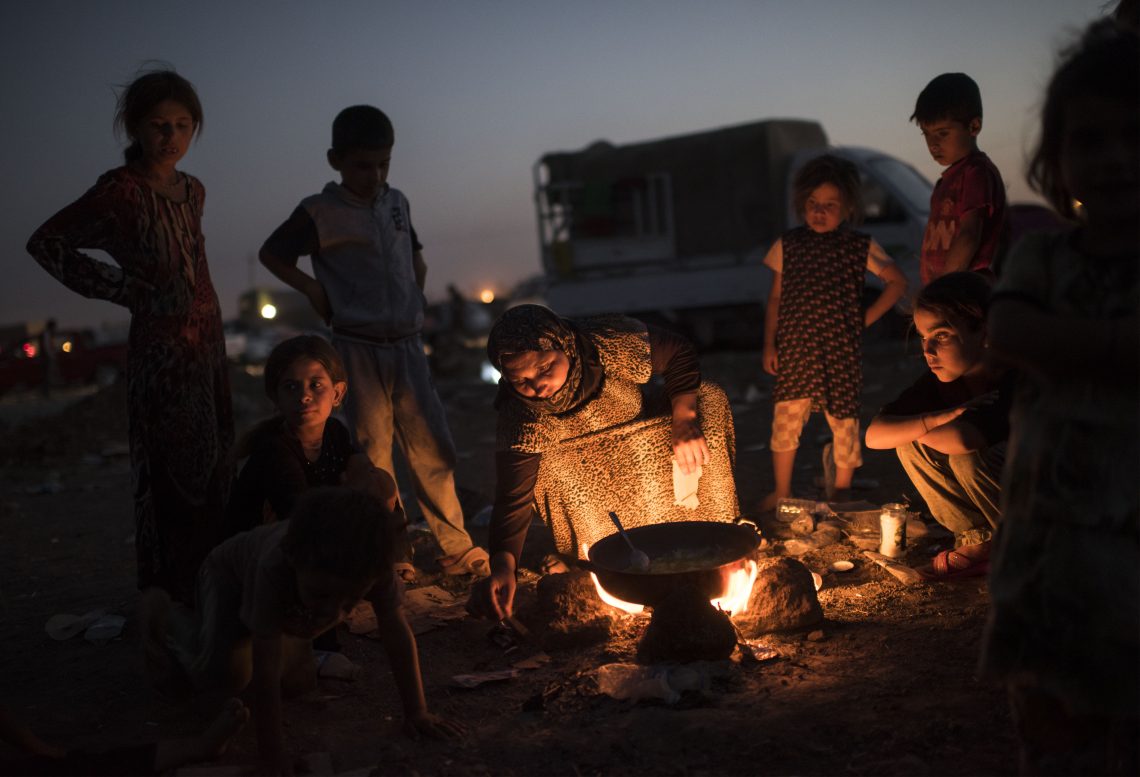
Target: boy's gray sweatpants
{"type": "Point", "coordinates": [962, 491]}
{"type": "Point", "coordinates": [391, 396]}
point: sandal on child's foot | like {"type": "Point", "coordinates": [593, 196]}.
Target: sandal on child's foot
{"type": "Point", "coordinates": [951, 565]}
{"type": "Point", "coordinates": [473, 561]}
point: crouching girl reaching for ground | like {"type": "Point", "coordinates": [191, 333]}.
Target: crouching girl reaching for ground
{"type": "Point", "coordinates": [263, 596]}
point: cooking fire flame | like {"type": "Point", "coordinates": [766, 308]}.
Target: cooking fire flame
{"type": "Point", "coordinates": [734, 601]}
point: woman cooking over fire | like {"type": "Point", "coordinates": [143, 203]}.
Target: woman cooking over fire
{"type": "Point", "coordinates": [580, 433]}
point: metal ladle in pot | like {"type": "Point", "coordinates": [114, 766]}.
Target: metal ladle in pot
{"type": "Point", "coordinates": [638, 561]}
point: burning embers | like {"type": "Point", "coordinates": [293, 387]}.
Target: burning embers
{"type": "Point", "coordinates": [733, 600]}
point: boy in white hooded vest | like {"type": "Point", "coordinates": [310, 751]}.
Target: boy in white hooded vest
{"type": "Point", "coordinates": [369, 288]}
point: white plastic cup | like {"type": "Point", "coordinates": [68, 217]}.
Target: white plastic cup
{"type": "Point", "coordinates": [892, 530]}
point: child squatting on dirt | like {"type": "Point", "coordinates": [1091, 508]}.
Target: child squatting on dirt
{"type": "Point", "coordinates": [967, 205]}
{"type": "Point", "coordinates": [813, 327]}
{"type": "Point", "coordinates": [1064, 624]}
{"type": "Point", "coordinates": [949, 428]}
{"type": "Point", "coordinates": [262, 598]}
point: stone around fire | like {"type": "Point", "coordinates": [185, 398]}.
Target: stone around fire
{"type": "Point", "coordinates": [575, 616]}
{"type": "Point", "coordinates": [783, 599]}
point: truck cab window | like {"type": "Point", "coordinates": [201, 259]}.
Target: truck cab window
{"type": "Point", "coordinates": [879, 207]}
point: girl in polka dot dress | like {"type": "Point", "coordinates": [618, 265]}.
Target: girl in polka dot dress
{"type": "Point", "coordinates": [814, 324]}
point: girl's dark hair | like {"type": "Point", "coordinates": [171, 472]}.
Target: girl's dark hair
{"type": "Point", "coordinates": [341, 531]}
{"type": "Point", "coordinates": [146, 91]}
{"type": "Point", "coordinates": [302, 347]}
{"type": "Point", "coordinates": [1103, 63]}
{"type": "Point", "coordinates": [840, 173]}
{"type": "Point", "coordinates": [284, 354]}
{"type": "Point", "coordinates": [959, 297]}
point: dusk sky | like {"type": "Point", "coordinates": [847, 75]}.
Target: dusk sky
{"type": "Point", "coordinates": [477, 92]}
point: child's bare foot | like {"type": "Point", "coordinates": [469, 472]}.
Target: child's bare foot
{"type": "Point", "coordinates": [839, 495]}
{"type": "Point", "coordinates": [159, 663]}
{"type": "Point", "coordinates": [209, 745]}
{"type": "Point", "coordinates": [768, 503]}
{"type": "Point", "coordinates": [230, 721]}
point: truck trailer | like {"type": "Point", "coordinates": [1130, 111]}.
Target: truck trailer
{"type": "Point", "coordinates": [675, 230]}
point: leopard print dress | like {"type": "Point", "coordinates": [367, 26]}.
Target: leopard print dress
{"type": "Point", "coordinates": [615, 451]}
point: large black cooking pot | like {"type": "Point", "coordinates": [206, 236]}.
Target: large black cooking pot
{"type": "Point", "coordinates": [722, 548]}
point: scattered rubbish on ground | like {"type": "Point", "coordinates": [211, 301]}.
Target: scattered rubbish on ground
{"type": "Point", "coordinates": [757, 651]}
{"type": "Point", "coordinates": [475, 679]}
{"type": "Point", "coordinates": [64, 626]}
{"type": "Point", "coordinates": [362, 619]}
{"type": "Point", "coordinates": [657, 681]}
{"type": "Point", "coordinates": [337, 666]}
{"type": "Point", "coordinates": [900, 571]}
{"type": "Point", "coordinates": [105, 628]}
{"type": "Point", "coordinates": [537, 661]}
{"type": "Point", "coordinates": [427, 608]}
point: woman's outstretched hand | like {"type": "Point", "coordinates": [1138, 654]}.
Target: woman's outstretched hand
{"type": "Point", "coordinates": [494, 596]}
{"type": "Point", "coordinates": [690, 448]}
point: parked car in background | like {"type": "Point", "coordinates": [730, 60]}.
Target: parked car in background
{"type": "Point", "coordinates": [76, 357]}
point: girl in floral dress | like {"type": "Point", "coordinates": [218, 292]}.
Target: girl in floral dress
{"type": "Point", "coordinates": [147, 215]}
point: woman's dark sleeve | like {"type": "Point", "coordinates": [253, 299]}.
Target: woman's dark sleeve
{"type": "Point", "coordinates": [674, 357]}
{"type": "Point", "coordinates": [515, 476]}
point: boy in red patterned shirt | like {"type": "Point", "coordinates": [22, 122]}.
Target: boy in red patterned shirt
{"type": "Point", "coordinates": [967, 206]}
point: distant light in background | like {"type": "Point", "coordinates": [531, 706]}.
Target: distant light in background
{"type": "Point", "coordinates": [268, 311]}
{"type": "Point", "coordinates": [66, 347]}
{"type": "Point", "coordinates": [30, 350]}
{"type": "Point", "coordinates": [487, 296]}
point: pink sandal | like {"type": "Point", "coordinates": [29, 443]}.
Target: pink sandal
{"type": "Point", "coordinates": [950, 565]}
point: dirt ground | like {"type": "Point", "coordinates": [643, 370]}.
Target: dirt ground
{"type": "Point", "coordinates": [888, 687]}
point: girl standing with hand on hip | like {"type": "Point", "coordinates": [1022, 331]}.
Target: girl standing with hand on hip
{"type": "Point", "coordinates": [813, 329]}
{"type": "Point", "coordinates": [147, 215]}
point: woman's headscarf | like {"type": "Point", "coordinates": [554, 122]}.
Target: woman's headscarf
{"type": "Point", "coordinates": [537, 328]}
